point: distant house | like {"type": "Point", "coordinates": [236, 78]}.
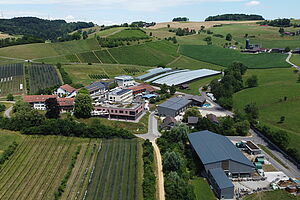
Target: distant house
{"type": "Point", "coordinates": [124, 81]}
{"type": "Point", "coordinates": [196, 100]}
{"type": "Point", "coordinates": [277, 50]}
{"type": "Point", "coordinates": [66, 91]}
{"type": "Point", "coordinates": [193, 120]}
{"type": "Point", "coordinates": [38, 102]}
{"type": "Point", "coordinates": [96, 88]}
{"type": "Point", "coordinates": [213, 118]}
{"type": "Point", "coordinates": [168, 123]}
{"type": "Point", "coordinates": [296, 51]}
{"type": "Point", "coordinates": [142, 88]}
{"type": "Point", "coordinates": [184, 86]}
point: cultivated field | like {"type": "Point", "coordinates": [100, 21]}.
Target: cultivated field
{"type": "Point", "coordinates": [225, 57]}
{"type": "Point", "coordinates": [42, 76]}
{"type": "Point", "coordinates": [129, 34]}
{"type": "Point", "coordinates": [296, 60]}
{"type": "Point", "coordinates": [275, 84]}
{"type": "Point", "coordinates": [80, 73]}
{"type": "Point", "coordinates": [7, 138]}
{"type": "Point", "coordinates": [11, 77]}
{"type": "Point", "coordinates": [196, 25]}
{"type": "Point", "coordinates": [37, 167]}
{"type": "Point", "coordinates": [117, 170]}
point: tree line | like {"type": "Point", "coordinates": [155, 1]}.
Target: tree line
{"type": "Point", "coordinates": [149, 182]}
{"type": "Point", "coordinates": [26, 39]}
{"type": "Point", "coordinates": [234, 17]}
{"type": "Point", "coordinates": [180, 19]}
{"type": "Point", "coordinates": [40, 28]}
{"type": "Point", "coordinates": [277, 22]}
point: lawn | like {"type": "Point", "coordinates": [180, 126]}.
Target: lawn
{"type": "Point", "coordinates": [7, 138]}
{"type": "Point", "coordinates": [296, 60]}
{"type": "Point", "coordinates": [129, 34]}
{"type": "Point", "coordinates": [107, 32]}
{"type": "Point", "coordinates": [268, 37]}
{"type": "Point", "coordinates": [148, 54]}
{"type": "Point", "coordinates": [275, 84]}
{"type": "Point", "coordinates": [202, 189]}
{"type": "Point", "coordinates": [224, 57]}
{"type": "Point", "coordinates": [79, 73]}
{"type": "Point", "coordinates": [272, 195]}
{"type": "Point", "coordinates": [116, 174]}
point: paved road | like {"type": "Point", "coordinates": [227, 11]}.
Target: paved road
{"type": "Point", "coordinates": [7, 112]}
{"type": "Point", "coordinates": [152, 135]}
{"type": "Point", "coordinates": [258, 138]}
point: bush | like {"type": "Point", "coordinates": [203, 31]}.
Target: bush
{"type": "Point", "coordinates": [149, 182]}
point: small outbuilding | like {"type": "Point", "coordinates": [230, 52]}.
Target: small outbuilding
{"type": "Point", "coordinates": [184, 86]}
{"type": "Point", "coordinates": [168, 123]}
{"type": "Point", "coordinates": [193, 120]}
{"type": "Point", "coordinates": [222, 186]}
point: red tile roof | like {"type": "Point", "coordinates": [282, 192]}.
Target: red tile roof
{"type": "Point", "coordinates": [147, 87]}
{"type": "Point", "coordinates": [66, 101]}
{"type": "Point", "coordinates": [37, 98]}
{"type": "Point", "coordinates": [67, 88]}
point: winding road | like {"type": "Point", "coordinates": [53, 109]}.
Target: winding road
{"type": "Point", "coordinates": [152, 135]}
{"type": "Point", "coordinates": [288, 60]}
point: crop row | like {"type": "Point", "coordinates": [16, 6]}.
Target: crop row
{"type": "Point", "coordinates": [42, 76]}
{"type": "Point", "coordinates": [131, 70]}
{"type": "Point", "coordinates": [98, 76]}
{"type": "Point", "coordinates": [10, 70]}
{"type": "Point", "coordinates": [115, 175]}
{"type": "Point", "coordinates": [11, 78]}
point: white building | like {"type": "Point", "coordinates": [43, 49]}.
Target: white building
{"type": "Point", "coordinates": [124, 81]}
{"type": "Point", "coordinates": [66, 91]}
{"type": "Point", "coordinates": [96, 88]}
{"type": "Point", "coordinates": [120, 95]}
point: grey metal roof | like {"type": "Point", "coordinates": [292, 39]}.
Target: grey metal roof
{"type": "Point", "coordinates": [165, 74]}
{"type": "Point", "coordinates": [175, 103]}
{"type": "Point", "coordinates": [184, 77]}
{"type": "Point", "coordinates": [152, 72]}
{"type": "Point", "coordinates": [119, 91]}
{"type": "Point", "coordinates": [124, 77]}
{"type": "Point", "coordinates": [220, 178]}
{"type": "Point", "coordinates": [212, 147]}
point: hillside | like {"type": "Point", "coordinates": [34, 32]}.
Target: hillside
{"type": "Point", "coordinates": [41, 28]}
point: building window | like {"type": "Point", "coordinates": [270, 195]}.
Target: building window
{"type": "Point", "coordinates": [121, 111]}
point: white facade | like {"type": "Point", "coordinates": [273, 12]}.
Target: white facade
{"type": "Point", "coordinates": [63, 93]}
{"type": "Point", "coordinates": [125, 81]}
{"type": "Point", "coordinates": [120, 95]}
{"type": "Point", "coordinates": [39, 105]}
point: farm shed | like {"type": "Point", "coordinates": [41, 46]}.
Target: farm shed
{"type": "Point", "coordinates": [222, 186]}
{"type": "Point", "coordinates": [217, 151]}
{"type": "Point", "coordinates": [153, 72]}
{"type": "Point", "coordinates": [173, 106]}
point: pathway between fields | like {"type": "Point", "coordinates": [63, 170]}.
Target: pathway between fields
{"type": "Point", "coordinates": [288, 60]}
{"type": "Point", "coordinates": [7, 111]}
{"type": "Point", "coordinates": [152, 135]}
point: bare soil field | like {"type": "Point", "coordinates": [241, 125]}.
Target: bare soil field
{"type": "Point", "coordinates": [196, 25]}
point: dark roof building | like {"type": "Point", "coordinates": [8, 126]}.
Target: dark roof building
{"type": "Point", "coordinates": [213, 118]}
{"type": "Point", "coordinates": [168, 123]}
{"type": "Point", "coordinates": [220, 159]}
{"type": "Point", "coordinates": [193, 120]}
{"type": "Point", "coordinates": [196, 100]}
{"type": "Point", "coordinates": [173, 106]}
{"type": "Point", "coordinates": [96, 88]}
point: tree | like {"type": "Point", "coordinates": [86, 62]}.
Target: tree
{"type": "Point", "coordinates": [172, 162]}
{"type": "Point", "coordinates": [84, 35]}
{"type": "Point", "coordinates": [202, 28]}
{"type": "Point", "coordinates": [9, 97]}
{"type": "Point", "coordinates": [150, 34]}
{"type": "Point", "coordinates": [287, 49]}
{"type": "Point", "coordinates": [252, 81]}
{"type": "Point", "coordinates": [2, 107]}
{"type": "Point", "coordinates": [21, 106]}
{"type": "Point", "coordinates": [172, 90]}
{"type": "Point", "coordinates": [83, 91]}
{"type": "Point", "coordinates": [299, 78]}
{"type": "Point", "coordinates": [83, 106]}
{"type": "Point", "coordinates": [26, 119]}
{"type": "Point", "coordinates": [179, 133]}
{"type": "Point", "coordinates": [168, 25]}
{"type": "Point", "coordinates": [242, 128]}
{"type": "Point", "coordinates": [226, 102]}
{"type": "Point", "coordinates": [163, 89]}
{"type": "Point", "coordinates": [282, 139]}
{"type": "Point", "coordinates": [282, 119]}
{"type": "Point", "coordinates": [191, 112]}
{"type": "Point", "coordinates": [52, 107]}
{"type": "Point", "coordinates": [228, 37]}
{"type": "Point", "coordinates": [251, 111]}
{"type": "Point", "coordinates": [281, 30]}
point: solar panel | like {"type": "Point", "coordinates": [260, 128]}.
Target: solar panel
{"type": "Point", "coordinates": [152, 72]}
{"type": "Point", "coordinates": [165, 74]}
{"type": "Point", "coordinates": [183, 77]}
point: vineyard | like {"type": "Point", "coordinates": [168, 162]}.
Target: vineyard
{"type": "Point", "coordinates": [37, 167]}
{"type": "Point", "coordinates": [11, 79]}
{"type": "Point", "coordinates": [116, 173]}
{"type": "Point", "coordinates": [98, 76]}
{"type": "Point", "coordinates": [42, 76]}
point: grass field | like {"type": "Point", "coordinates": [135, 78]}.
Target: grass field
{"type": "Point", "coordinates": [116, 173]}
{"type": "Point", "coordinates": [296, 60]}
{"type": "Point", "coordinates": [272, 195]}
{"type": "Point", "coordinates": [202, 189]}
{"type": "Point", "coordinates": [129, 34]}
{"type": "Point", "coordinates": [149, 54]}
{"type": "Point", "coordinates": [42, 76]}
{"type": "Point", "coordinates": [107, 32]}
{"type": "Point", "coordinates": [7, 138]}
{"type": "Point", "coordinates": [268, 37]}
{"type": "Point", "coordinates": [88, 57]}
{"type": "Point", "coordinates": [275, 84]}
{"type": "Point", "coordinates": [45, 50]}
{"type": "Point", "coordinates": [80, 73]}
{"type": "Point", "coordinates": [224, 57]}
